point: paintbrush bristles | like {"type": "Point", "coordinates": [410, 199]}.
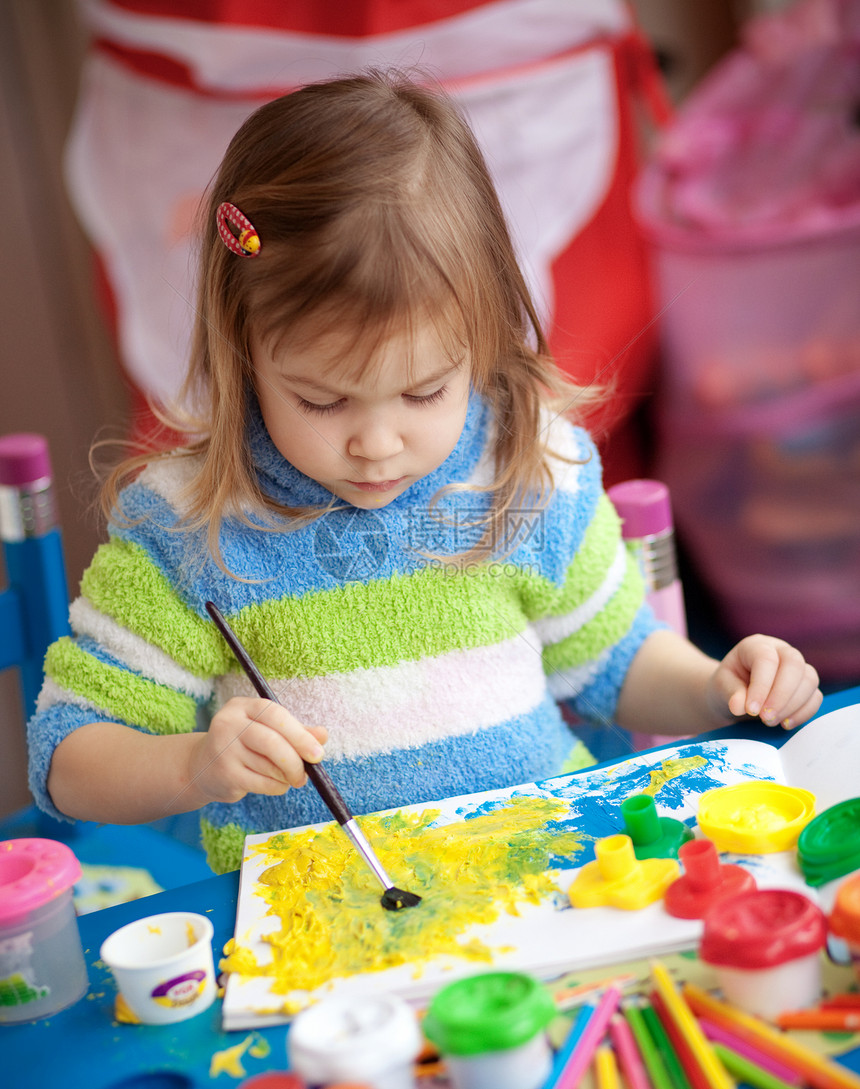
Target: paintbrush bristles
{"type": "Point", "coordinates": [395, 899]}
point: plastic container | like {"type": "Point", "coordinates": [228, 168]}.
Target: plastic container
{"type": "Point", "coordinates": [765, 946]}
{"type": "Point", "coordinates": [42, 967]}
{"type": "Point", "coordinates": [491, 1030]}
{"type": "Point", "coordinates": [828, 848]}
{"type": "Point", "coordinates": [653, 836]}
{"type": "Point", "coordinates": [705, 881]}
{"type": "Point", "coordinates": [366, 1038]}
{"type": "Point", "coordinates": [759, 418]}
{"type": "Point", "coordinates": [616, 878]}
{"type": "Point", "coordinates": [755, 817]}
{"type": "Point", "coordinates": [844, 919]}
{"type": "Point", "coordinates": [163, 966]}
{"type": "Point", "coordinates": [649, 533]}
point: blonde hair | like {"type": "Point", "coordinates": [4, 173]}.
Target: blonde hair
{"type": "Point", "coordinates": [375, 207]}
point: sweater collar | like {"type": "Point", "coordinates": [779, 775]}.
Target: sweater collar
{"type": "Point", "coordinates": [285, 484]}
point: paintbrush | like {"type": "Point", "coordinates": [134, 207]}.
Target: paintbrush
{"type": "Point", "coordinates": [392, 898]}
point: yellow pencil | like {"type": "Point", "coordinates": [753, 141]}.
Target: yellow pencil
{"type": "Point", "coordinates": [712, 1069]}
{"type": "Point", "coordinates": [606, 1068]}
{"type": "Point", "coordinates": [818, 1071]}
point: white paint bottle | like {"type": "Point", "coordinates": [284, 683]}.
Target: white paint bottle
{"type": "Point", "coordinates": [369, 1038]}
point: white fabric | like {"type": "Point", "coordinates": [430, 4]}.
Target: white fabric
{"type": "Point", "coordinates": [140, 152]}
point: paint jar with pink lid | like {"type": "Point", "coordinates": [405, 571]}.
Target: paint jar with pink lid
{"type": "Point", "coordinates": [42, 967]}
{"type": "Point", "coordinates": [766, 948]}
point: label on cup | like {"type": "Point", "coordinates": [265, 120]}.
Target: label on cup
{"type": "Point", "coordinates": [181, 990]}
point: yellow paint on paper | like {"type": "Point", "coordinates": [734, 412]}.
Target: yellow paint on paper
{"type": "Point", "coordinates": [468, 872]}
{"type": "Point", "coordinates": [671, 769]}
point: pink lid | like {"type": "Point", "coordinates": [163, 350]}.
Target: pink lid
{"type": "Point", "coordinates": [762, 929]}
{"type": "Point", "coordinates": [643, 506]}
{"type": "Point", "coordinates": [32, 873]}
{"type": "Point", "coordinates": [24, 459]}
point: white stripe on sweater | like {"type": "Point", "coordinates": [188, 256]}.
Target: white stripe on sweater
{"type": "Point", "coordinates": [412, 704]}
{"type": "Point", "coordinates": [134, 652]}
{"type": "Point", "coordinates": [556, 628]}
{"type": "Point", "coordinates": [53, 693]}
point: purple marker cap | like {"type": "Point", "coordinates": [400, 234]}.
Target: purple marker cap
{"type": "Point", "coordinates": [643, 506]}
{"type": "Point", "coordinates": [24, 459]}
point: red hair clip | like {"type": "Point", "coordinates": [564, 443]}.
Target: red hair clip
{"type": "Point", "coordinates": [245, 241]}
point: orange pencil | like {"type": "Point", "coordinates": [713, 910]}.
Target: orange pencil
{"type": "Point", "coordinates": [829, 1020]}
{"type": "Point", "coordinates": [818, 1071]}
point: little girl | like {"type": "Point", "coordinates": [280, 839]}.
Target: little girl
{"type": "Point", "coordinates": [382, 493]}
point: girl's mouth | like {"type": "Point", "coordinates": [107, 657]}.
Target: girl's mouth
{"type": "Point", "coordinates": [383, 486]}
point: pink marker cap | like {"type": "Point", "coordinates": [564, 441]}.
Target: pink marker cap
{"type": "Point", "coordinates": [24, 458]}
{"type": "Point", "coordinates": [32, 873]}
{"type": "Point", "coordinates": [643, 506]}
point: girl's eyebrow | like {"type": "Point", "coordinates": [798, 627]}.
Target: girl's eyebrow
{"type": "Point", "coordinates": [319, 387]}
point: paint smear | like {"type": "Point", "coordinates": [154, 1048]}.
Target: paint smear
{"type": "Point", "coordinates": [328, 903]}
{"type": "Point", "coordinates": [672, 769]}
{"type": "Point", "coordinates": [229, 1061]}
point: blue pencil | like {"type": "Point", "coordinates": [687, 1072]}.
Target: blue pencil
{"type": "Point", "coordinates": [584, 1048]}
{"type": "Point", "coordinates": [583, 1016]}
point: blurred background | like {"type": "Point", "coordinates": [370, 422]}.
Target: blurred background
{"type": "Point", "coordinates": [65, 374]}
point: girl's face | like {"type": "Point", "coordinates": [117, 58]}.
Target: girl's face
{"type": "Point", "coordinates": [364, 433]}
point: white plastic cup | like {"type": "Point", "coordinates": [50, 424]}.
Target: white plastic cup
{"type": "Point", "coordinates": [367, 1038]}
{"type": "Point", "coordinates": [163, 966]}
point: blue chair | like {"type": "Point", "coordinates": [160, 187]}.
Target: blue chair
{"type": "Point", "coordinates": [34, 609]}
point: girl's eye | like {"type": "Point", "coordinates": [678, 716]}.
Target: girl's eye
{"type": "Point", "coordinates": [322, 410]}
{"type": "Point", "coordinates": [428, 398]}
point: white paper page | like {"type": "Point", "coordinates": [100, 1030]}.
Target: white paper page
{"type": "Point", "coordinates": [824, 757]}
{"type": "Point", "coordinates": [550, 938]}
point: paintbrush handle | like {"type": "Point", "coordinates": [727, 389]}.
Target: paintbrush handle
{"type": "Point", "coordinates": [316, 772]}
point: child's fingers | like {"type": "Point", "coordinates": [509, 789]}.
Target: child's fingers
{"type": "Point", "coordinates": [782, 685]}
{"type": "Point", "coordinates": [283, 741]}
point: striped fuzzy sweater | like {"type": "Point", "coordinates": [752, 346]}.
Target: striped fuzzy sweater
{"type": "Point", "coordinates": [433, 680]}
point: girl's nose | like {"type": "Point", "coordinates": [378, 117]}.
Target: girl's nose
{"type": "Point", "coordinates": [375, 440]}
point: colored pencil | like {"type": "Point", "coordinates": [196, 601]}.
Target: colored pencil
{"type": "Point", "coordinates": [629, 1058]}
{"type": "Point", "coordinates": [569, 997]}
{"type": "Point", "coordinates": [651, 1057]}
{"type": "Point", "coordinates": [664, 1045]}
{"type": "Point", "coordinates": [694, 1071]}
{"type": "Point", "coordinates": [583, 1052]}
{"type": "Point", "coordinates": [583, 1016]}
{"type": "Point", "coordinates": [606, 1068]}
{"type": "Point", "coordinates": [815, 1069]}
{"type": "Point", "coordinates": [681, 1015]}
{"type": "Point", "coordinates": [746, 1071]}
{"type": "Point", "coordinates": [719, 1035]}
{"type": "Point", "coordinates": [847, 1000]}
{"type": "Point", "coordinates": [832, 1020]}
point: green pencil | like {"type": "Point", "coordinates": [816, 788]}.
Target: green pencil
{"type": "Point", "coordinates": [747, 1071]}
{"type": "Point", "coordinates": [654, 1064]}
{"type": "Point", "coordinates": [665, 1048]}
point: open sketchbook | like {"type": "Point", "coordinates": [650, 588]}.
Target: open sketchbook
{"type": "Point", "coordinates": [493, 870]}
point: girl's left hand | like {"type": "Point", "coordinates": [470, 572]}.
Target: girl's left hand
{"type": "Point", "coordinates": [768, 678]}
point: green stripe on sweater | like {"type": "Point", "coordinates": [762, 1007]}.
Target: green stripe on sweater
{"type": "Point", "coordinates": [129, 697]}
{"type": "Point", "coordinates": [123, 582]}
{"type": "Point", "coordinates": [602, 631]}
{"type": "Point", "coordinates": [223, 846]}
{"type": "Point", "coordinates": [382, 622]}
{"type": "Point", "coordinates": [593, 559]}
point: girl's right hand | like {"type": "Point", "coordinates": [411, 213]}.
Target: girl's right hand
{"type": "Point", "coordinates": [253, 746]}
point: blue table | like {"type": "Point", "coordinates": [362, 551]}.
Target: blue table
{"type": "Point", "coordinates": [84, 1046]}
